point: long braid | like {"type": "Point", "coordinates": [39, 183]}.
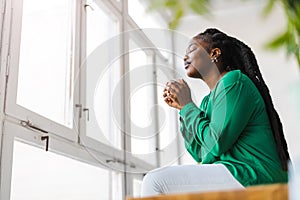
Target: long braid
{"type": "Point", "coordinates": [237, 55]}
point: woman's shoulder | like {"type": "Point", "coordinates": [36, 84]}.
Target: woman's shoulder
{"type": "Point", "coordinates": [234, 77]}
{"type": "Point", "coordinates": [229, 79]}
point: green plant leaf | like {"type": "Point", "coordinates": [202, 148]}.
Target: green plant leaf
{"type": "Point", "coordinates": [178, 15]}
{"type": "Point", "coordinates": [156, 5]}
{"type": "Point", "coordinates": [200, 7]}
{"type": "Point", "coordinates": [268, 8]}
{"type": "Point", "coordinates": [171, 3]}
{"type": "Point", "coordinates": [163, 4]}
{"type": "Point", "coordinates": [298, 59]}
{"type": "Point", "coordinates": [279, 41]}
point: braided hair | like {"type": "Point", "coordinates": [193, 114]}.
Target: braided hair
{"type": "Point", "coordinates": [237, 55]}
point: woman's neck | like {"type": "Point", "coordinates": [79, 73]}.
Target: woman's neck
{"type": "Point", "coordinates": [212, 79]}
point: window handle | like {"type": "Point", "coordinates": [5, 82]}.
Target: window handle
{"type": "Point", "coordinates": [28, 124]}
{"type": "Point", "coordinates": [87, 5]}
{"type": "Point", "coordinates": [87, 113]}
{"type": "Point", "coordinates": [46, 137]}
{"type": "Point", "coordinates": [80, 108]}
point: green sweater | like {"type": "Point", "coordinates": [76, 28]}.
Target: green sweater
{"type": "Point", "coordinates": [232, 128]}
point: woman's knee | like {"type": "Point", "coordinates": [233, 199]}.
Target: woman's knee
{"type": "Point", "coordinates": [153, 182]}
{"type": "Point", "coordinates": [151, 179]}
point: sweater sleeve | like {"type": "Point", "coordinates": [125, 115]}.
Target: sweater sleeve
{"type": "Point", "coordinates": [190, 142]}
{"type": "Point", "coordinates": [232, 108]}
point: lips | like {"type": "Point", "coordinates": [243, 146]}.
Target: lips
{"type": "Point", "coordinates": [186, 64]}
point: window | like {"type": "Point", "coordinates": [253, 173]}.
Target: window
{"type": "Point", "coordinates": [168, 117]}
{"type": "Point", "coordinates": [69, 69]}
{"type": "Point", "coordinates": [37, 174]}
{"type": "Point", "coordinates": [42, 63]}
{"type": "Point", "coordinates": [141, 90]}
{"type": "Point", "coordinates": [137, 187]}
{"type": "Point", "coordinates": [137, 10]}
{"type": "Point", "coordinates": [101, 25]}
{"type": "Point", "coordinates": [101, 75]}
{"type": "Point", "coordinates": [143, 124]}
{"type": "Point", "coordinates": [45, 81]}
{"type": "Point", "coordinates": [151, 23]}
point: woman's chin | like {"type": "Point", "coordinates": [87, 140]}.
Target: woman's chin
{"type": "Point", "coordinates": [193, 74]}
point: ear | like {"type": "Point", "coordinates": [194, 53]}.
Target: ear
{"type": "Point", "coordinates": [215, 53]}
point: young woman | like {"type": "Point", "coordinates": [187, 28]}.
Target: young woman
{"type": "Point", "coordinates": [235, 134]}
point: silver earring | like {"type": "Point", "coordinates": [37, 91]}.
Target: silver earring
{"type": "Point", "coordinates": [214, 60]}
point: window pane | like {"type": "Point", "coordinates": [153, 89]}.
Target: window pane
{"type": "Point", "coordinates": [37, 174]}
{"type": "Point", "coordinates": [138, 12]}
{"type": "Point", "coordinates": [152, 24]}
{"type": "Point", "coordinates": [143, 136]}
{"type": "Point", "coordinates": [101, 25]}
{"type": "Point", "coordinates": [142, 109]}
{"type": "Point", "coordinates": [137, 187]}
{"type": "Point", "coordinates": [100, 85]}
{"type": "Point", "coordinates": [168, 132]}
{"type": "Point", "coordinates": [45, 67]}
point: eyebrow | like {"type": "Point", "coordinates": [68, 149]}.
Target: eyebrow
{"type": "Point", "coordinates": [191, 45]}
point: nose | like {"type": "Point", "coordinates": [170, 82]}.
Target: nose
{"type": "Point", "coordinates": [185, 57]}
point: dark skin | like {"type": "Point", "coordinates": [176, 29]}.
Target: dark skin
{"type": "Point", "coordinates": [198, 64]}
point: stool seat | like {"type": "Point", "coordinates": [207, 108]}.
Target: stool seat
{"type": "Point", "coordinates": [261, 192]}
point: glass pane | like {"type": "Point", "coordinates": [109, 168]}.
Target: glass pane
{"type": "Point", "coordinates": [45, 82]}
{"type": "Point", "coordinates": [37, 174]}
{"type": "Point", "coordinates": [101, 25]}
{"type": "Point", "coordinates": [137, 10]}
{"type": "Point", "coordinates": [152, 25]}
{"type": "Point", "coordinates": [142, 109]}
{"type": "Point", "coordinates": [143, 137]}
{"type": "Point", "coordinates": [137, 187]}
{"type": "Point", "coordinates": [101, 81]}
{"type": "Point", "coordinates": [168, 132]}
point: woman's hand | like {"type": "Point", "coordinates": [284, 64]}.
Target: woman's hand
{"type": "Point", "coordinates": [177, 94]}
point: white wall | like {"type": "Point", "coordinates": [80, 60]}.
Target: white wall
{"type": "Point", "coordinates": [282, 75]}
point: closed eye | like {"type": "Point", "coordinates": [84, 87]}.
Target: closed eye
{"type": "Point", "coordinates": [188, 52]}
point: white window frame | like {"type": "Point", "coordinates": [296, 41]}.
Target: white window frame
{"type": "Point", "coordinates": [57, 145]}
{"type": "Point", "coordinates": [14, 110]}
{"type": "Point", "coordinates": [83, 138]}
{"type": "Point", "coordinates": [11, 114]}
{"type": "Point", "coordinates": [142, 40]}
{"type": "Point", "coordinates": [142, 43]}
{"type": "Point", "coordinates": [130, 163]}
{"type": "Point", "coordinates": [4, 22]}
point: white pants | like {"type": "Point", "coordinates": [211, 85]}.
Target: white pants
{"type": "Point", "coordinates": [188, 178]}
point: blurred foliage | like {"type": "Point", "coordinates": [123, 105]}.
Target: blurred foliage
{"type": "Point", "coordinates": [180, 7]}
{"type": "Point", "coordinates": [288, 40]}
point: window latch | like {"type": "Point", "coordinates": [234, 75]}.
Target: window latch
{"type": "Point", "coordinates": [87, 113]}
{"type": "Point", "coordinates": [46, 137]}
{"type": "Point", "coordinates": [86, 110]}
{"type": "Point", "coordinates": [28, 124]}
{"type": "Point", "coordinates": [87, 5]}
{"type": "Point", "coordinates": [80, 109]}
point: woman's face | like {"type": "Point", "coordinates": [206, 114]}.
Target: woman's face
{"type": "Point", "coordinates": [197, 61]}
